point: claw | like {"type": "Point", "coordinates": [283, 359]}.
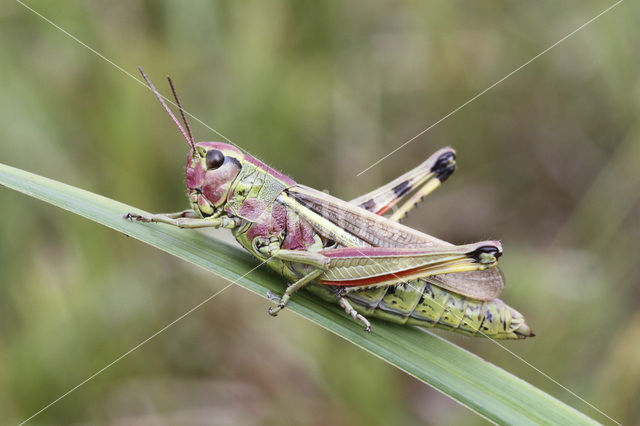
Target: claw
{"type": "Point", "coordinates": [274, 312]}
{"type": "Point", "coordinates": [136, 216]}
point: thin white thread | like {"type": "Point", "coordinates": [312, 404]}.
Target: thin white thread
{"type": "Point", "coordinates": [491, 87]}
{"type": "Point", "coordinates": [139, 345]}
{"type": "Point", "coordinates": [518, 357]}
{"type": "Point", "coordinates": [127, 73]}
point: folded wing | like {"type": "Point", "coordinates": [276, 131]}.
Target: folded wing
{"type": "Point", "coordinates": [378, 231]}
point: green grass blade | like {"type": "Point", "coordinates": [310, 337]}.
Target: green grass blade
{"type": "Point", "coordinates": [484, 388]}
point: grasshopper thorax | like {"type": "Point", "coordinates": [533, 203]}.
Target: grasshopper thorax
{"type": "Point", "coordinates": [210, 172]}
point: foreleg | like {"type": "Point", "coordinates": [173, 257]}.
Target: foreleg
{"type": "Point", "coordinates": [186, 220]}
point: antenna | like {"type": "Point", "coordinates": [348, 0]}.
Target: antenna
{"type": "Point", "coordinates": [173, 117]}
{"type": "Point", "coordinates": [184, 118]}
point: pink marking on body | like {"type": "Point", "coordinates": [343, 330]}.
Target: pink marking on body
{"type": "Point", "coordinates": [299, 234]}
{"type": "Point", "coordinates": [278, 175]}
{"type": "Point", "coordinates": [307, 233]}
{"type": "Point", "coordinates": [217, 182]}
{"type": "Point", "coordinates": [258, 229]}
{"type": "Point", "coordinates": [252, 208]}
{"type": "Point", "coordinates": [278, 218]}
{"type": "Point", "coordinates": [293, 240]}
{"type": "Point", "coordinates": [269, 225]}
{"type": "Point", "coordinates": [194, 176]}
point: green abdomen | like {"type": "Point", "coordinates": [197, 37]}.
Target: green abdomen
{"type": "Point", "coordinates": [419, 303]}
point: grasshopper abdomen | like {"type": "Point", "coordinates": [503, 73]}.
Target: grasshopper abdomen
{"type": "Point", "coordinates": [422, 304]}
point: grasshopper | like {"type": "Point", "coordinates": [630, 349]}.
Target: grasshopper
{"type": "Point", "coordinates": [347, 253]}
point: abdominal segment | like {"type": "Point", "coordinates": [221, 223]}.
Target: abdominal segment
{"type": "Point", "coordinates": [422, 304]}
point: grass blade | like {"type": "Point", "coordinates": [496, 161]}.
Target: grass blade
{"type": "Point", "coordinates": [482, 387]}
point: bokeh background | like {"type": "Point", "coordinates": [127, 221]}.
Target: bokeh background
{"type": "Point", "coordinates": [549, 163]}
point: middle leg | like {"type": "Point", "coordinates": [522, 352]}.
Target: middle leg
{"type": "Point", "coordinates": [344, 304]}
{"type": "Point", "coordinates": [293, 288]}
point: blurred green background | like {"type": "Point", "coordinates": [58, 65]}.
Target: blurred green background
{"type": "Point", "coordinates": [548, 163]}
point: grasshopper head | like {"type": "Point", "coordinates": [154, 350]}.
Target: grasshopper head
{"type": "Point", "coordinates": [211, 169]}
{"type": "Point", "coordinates": [211, 166]}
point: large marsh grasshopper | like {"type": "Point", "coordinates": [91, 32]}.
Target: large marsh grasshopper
{"type": "Point", "coordinates": [348, 252]}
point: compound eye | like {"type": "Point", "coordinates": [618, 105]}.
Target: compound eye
{"type": "Point", "coordinates": [214, 159]}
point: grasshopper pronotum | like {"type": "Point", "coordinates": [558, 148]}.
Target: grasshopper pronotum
{"type": "Point", "coordinates": [347, 252]}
